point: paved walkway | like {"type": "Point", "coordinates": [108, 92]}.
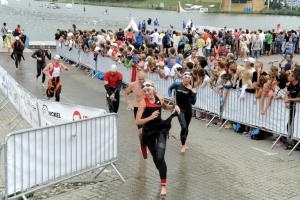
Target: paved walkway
{"type": "Point", "coordinates": [218, 165]}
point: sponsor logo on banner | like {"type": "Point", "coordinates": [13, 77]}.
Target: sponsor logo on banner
{"type": "Point", "coordinates": [51, 113]}
{"type": "Point", "coordinates": [78, 116]}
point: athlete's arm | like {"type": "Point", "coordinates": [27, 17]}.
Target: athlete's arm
{"type": "Point", "coordinates": [128, 91]}
{"type": "Point", "coordinates": [173, 86]}
{"type": "Point", "coordinates": [46, 70]}
{"type": "Point", "coordinates": [141, 109]}
{"type": "Point", "coordinates": [168, 106]}
{"type": "Point", "coordinates": [34, 55]}
{"type": "Point", "coordinates": [119, 85]}
{"type": "Point", "coordinates": [64, 67]}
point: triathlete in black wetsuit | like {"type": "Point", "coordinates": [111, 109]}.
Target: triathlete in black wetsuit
{"type": "Point", "coordinates": [185, 96]}
{"type": "Point", "coordinates": [17, 52]}
{"type": "Point", "coordinates": [155, 130]}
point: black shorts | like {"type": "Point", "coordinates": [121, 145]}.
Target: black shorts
{"type": "Point", "coordinates": [267, 47]}
{"type": "Point", "coordinates": [3, 38]}
{"type": "Point", "coordinates": [292, 112]}
{"type": "Point", "coordinates": [135, 109]}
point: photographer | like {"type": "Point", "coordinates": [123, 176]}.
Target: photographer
{"type": "Point", "coordinates": [39, 55]}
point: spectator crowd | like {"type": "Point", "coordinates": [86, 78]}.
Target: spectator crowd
{"type": "Point", "coordinates": [211, 58]}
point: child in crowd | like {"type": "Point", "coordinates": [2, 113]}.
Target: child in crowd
{"type": "Point", "coordinates": [223, 94]}
{"type": "Point", "coordinates": [268, 89]}
{"type": "Point", "coordinates": [233, 75]}
{"type": "Point", "coordinates": [244, 48]}
{"type": "Point", "coordinates": [9, 40]}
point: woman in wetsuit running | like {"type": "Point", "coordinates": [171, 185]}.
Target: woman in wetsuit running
{"type": "Point", "coordinates": [155, 130]}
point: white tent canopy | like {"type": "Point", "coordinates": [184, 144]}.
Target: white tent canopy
{"type": "Point", "coordinates": [132, 25]}
{"type": "Point", "coordinates": [188, 24]}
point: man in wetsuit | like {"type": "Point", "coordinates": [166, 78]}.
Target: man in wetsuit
{"type": "Point", "coordinates": [112, 84]}
{"type": "Point", "coordinates": [53, 70]}
{"type": "Point", "coordinates": [40, 55]}
{"type": "Point", "coordinates": [185, 97]}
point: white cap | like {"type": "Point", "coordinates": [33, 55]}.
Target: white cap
{"type": "Point", "coordinates": [9, 31]}
{"type": "Point", "coordinates": [250, 59]}
{"type": "Point", "coordinates": [113, 68]}
{"type": "Point", "coordinates": [114, 44]}
{"type": "Point", "coordinates": [17, 38]}
{"type": "Point", "coordinates": [42, 44]}
{"type": "Point", "coordinates": [56, 57]}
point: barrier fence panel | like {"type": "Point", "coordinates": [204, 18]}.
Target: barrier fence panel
{"type": "Point", "coordinates": [161, 85]}
{"type": "Point", "coordinates": [52, 113]}
{"type": "Point", "coordinates": [38, 158]}
{"type": "Point", "coordinates": [247, 111]}
{"type": "Point", "coordinates": [3, 87]}
{"type": "Point", "coordinates": [296, 126]}
{"type": "Point", "coordinates": [28, 107]}
{"type": "Point", "coordinates": [209, 102]}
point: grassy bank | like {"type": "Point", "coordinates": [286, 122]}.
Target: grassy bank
{"type": "Point", "coordinates": [147, 4]}
{"type": "Point", "coordinates": [172, 5]}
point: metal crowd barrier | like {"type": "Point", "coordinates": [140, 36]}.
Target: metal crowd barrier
{"type": "Point", "coordinates": [41, 157]}
{"type": "Point", "coordinates": [244, 111]}
{"type": "Point", "coordinates": [22, 100]}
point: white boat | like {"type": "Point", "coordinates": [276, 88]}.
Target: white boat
{"type": "Point", "coordinates": [191, 8]}
{"type": "Point", "coordinates": [69, 6]}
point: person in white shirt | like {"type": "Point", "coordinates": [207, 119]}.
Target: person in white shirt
{"type": "Point", "coordinates": [154, 36]}
{"type": "Point", "coordinates": [262, 39]}
{"type": "Point", "coordinates": [174, 71]}
{"type": "Point", "coordinates": [207, 47]}
{"type": "Point", "coordinates": [163, 71]}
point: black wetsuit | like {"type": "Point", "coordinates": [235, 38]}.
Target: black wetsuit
{"type": "Point", "coordinates": [155, 136]}
{"type": "Point", "coordinates": [17, 53]}
{"type": "Point", "coordinates": [41, 64]}
{"type": "Point", "coordinates": [184, 98]}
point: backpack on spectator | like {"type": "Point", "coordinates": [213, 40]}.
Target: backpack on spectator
{"type": "Point", "coordinates": [165, 41]}
{"type": "Point", "coordinates": [238, 128]}
{"type": "Point", "coordinates": [229, 39]}
{"type": "Point", "coordinates": [257, 134]}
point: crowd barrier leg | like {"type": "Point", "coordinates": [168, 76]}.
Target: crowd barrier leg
{"type": "Point", "coordinates": [5, 103]}
{"type": "Point", "coordinates": [294, 147]}
{"type": "Point", "coordinates": [17, 122]}
{"type": "Point", "coordinates": [212, 119]}
{"type": "Point", "coordinates": [223, 125]}
{"type": "Point", "coordinates": [276, 141]}
{"type": "Point", "coordinates": [116, 170]}
{"type": "Point", "coordinates": [79, 66]}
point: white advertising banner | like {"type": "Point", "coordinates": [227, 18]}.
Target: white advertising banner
{"type": "Point", "coordinates": [41, 155]}
{"type": "Point", "coordinates": [13, 92]}
{"type": "Point", "coordinates": [28, 107]}
{"type": "Point", "coordinates": [52, 113]}
{"type": "Point", "coordinates": [3, 80]}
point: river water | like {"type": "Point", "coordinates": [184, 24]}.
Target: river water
{"type": "Point", "coordinates": [40, 22]}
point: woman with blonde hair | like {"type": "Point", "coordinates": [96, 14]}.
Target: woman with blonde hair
{"type": "Point", "coordinates": [246, 83]}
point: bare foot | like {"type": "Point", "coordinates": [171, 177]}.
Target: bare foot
{"type": "Point", "coordinates": [186, 147]}
{"type": "Point", "coordinates": [163, 191]}
{"type": "Point", "coordinates": [182, 149]}
{"type": "Point", "coordinates": [263, 112]}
